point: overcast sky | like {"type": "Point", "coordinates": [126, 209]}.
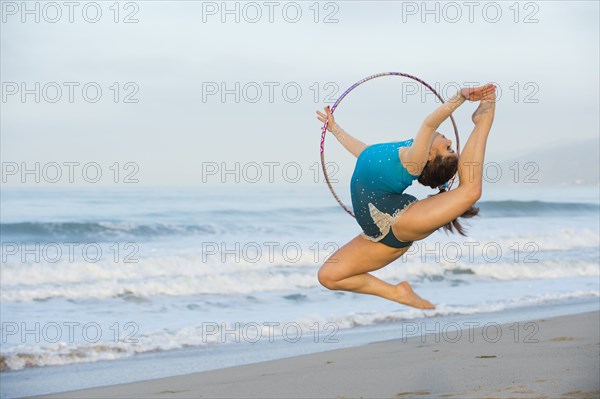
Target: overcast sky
{"type": "Point", "coordinates": [161, 108]}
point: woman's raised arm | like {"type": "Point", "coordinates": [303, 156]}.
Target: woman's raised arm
{"type": "Point", "coordinates": [417, 155]}
{"type": "Point", "coordinates": [350, 143]}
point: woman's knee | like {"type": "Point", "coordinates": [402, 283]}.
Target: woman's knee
{"type": "Point", "coordinates": [326, 278]}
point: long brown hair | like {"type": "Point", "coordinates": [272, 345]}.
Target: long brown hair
{"type": "Point", "coordinates": [437, 172]}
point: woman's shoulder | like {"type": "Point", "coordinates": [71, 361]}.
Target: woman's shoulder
{"type": "Point", "coordinates": [386, 146]}
{"type": "Point", "coordinates": [409, 167]}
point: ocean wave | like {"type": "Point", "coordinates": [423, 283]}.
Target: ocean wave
{"type": "Point", "coordinates": [115, 231]}
{"type": "Point", "coordinates": [192, 275]}
{"type": "Point", "coordinates": [62, 353]}
{"type": "Point", "coordinates": [99, 230]}
{"type": "Point", "coordinates": [535, 208]}
{"type": "Point", "coordinates": [223, 221]}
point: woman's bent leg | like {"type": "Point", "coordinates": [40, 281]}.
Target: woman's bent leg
{"type": "Point", "coordinates": [347, 269]}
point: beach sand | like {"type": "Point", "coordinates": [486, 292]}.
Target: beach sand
{"type": "Point", "coordinates": [548, 358]}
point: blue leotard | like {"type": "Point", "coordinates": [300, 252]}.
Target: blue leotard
{"type": "Point", "coordinates": [377, 189]}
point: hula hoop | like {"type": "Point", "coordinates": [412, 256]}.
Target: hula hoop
{"type": "Point", "coordinates": [339, 100]}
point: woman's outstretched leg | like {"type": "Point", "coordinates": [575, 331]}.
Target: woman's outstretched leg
{"type": "Point", "coordinates": [347, 269]}
{"type": "Point", "coordinates": [424, 217]}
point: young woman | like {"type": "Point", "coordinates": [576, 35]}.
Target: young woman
{"type": "Point", "coordinates": [392, 220]}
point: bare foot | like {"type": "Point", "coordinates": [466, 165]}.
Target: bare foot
{"type": "Point", "coordinates": [407, 296]}
{"type": "Point", "coordinates": [486, 109]}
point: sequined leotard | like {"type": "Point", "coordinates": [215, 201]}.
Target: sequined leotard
{"type": "Point", "coordinates": [377, 190]}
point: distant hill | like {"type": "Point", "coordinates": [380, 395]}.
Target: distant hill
{"type": "Point", "coordinates": [574, 163]}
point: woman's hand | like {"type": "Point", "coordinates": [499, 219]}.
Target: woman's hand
{"type": "Point", "coordinates": [322, 117]}
{"type": "Point", "coordinates": [478, 93]}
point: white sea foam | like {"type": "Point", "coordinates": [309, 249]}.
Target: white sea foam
{"type": "Point", "coordinates": [182, 275]}
{"type": "Point", "coordinates": [61, 353]}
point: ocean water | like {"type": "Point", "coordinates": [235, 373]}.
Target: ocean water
{"type": "Point", "coordinates": [108, 274]}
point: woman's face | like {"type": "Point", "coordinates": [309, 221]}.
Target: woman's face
{"type": "Point", "coordinates": [441, 146]}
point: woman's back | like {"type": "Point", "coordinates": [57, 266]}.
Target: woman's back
{"type": "Point", "coordinates": [379, 170]}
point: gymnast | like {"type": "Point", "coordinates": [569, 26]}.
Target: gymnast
{"type": "Point", "coordinates": [391, 220]}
